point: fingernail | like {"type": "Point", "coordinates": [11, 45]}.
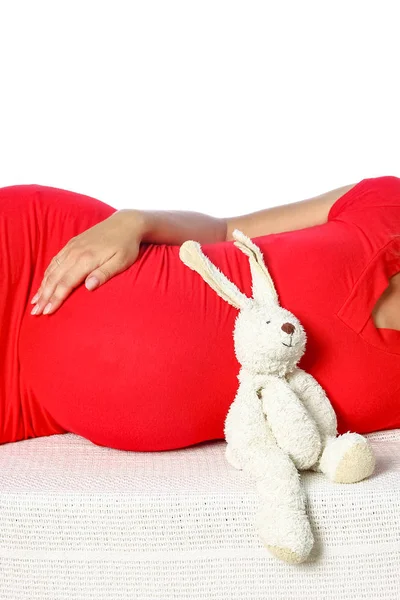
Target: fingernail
{"type": "Point", "coordinates": [91, 283]}
{"type": "Point", "coordinates": [35, 309]}
{"type": "Point", "coordinates": [35, 299]}
{"type": "Point", "coordinates": [47, 308]}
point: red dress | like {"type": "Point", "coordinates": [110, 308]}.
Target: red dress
{"type": "Point", "coordinates": [146, 362]}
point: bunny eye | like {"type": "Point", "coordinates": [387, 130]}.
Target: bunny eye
{"type": "Point", "coordinates": [268, 321]}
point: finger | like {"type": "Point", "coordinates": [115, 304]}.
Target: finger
{"type": "Point", "coordinates": [52, 267]}
{"type": "Point", "coordinates": [55, 263]}
{"type": "Point", "coordinates": [116, 264]}
{"type": "Point", "coordinates": [73, 278]}
{"type": "Point", "coordinates": [60, 282]}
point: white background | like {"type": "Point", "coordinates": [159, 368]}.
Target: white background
{"type": "Point", "coordinates": [214, 106]}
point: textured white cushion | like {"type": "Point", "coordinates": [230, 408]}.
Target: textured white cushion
{"type": "Point", "coordinates": [80, 521]}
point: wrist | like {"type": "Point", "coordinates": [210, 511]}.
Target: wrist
{"type": "Point", "coordinates": [139, 218]}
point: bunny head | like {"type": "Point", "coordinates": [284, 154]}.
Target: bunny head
{"type": "Point", "coordinates": [268, 339]}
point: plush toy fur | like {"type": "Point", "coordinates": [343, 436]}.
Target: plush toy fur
{"type": "Point", "coordinates": [281, 420]}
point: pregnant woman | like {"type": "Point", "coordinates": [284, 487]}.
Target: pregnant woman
{"type": "Point", "coordinates": [145, 360]}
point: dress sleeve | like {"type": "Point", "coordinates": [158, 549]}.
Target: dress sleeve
{"type": "Point", "coordinates": [370, 214]}
{"type": "Point", "coordinates": [371, 193]}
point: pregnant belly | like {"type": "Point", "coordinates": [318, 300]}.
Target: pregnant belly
{"type": "Point", "coordinates": [145, 362]}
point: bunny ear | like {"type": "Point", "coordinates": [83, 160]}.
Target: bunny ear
{"type": "Point", "coordinates": [192, 256]}
{"type": "Point", "coordinates": [263, 287]}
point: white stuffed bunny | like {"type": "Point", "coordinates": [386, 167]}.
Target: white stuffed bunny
{"type": "Point", "coordinates": [281, 420]}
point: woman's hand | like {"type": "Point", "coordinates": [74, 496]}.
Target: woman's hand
{"type": "Point", "coordinates": [97, 254]}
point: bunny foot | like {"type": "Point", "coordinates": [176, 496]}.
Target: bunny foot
{"type": "Point", "coordinates": [285, 533]}
{"type": "Point", "coordinates": [357, 464]}
{"type": "Point", "coordinates": [285, 554]}
{"type": "Point", "coordinates": [347, 459]}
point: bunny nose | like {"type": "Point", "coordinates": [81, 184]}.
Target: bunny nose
{"type": "Point", "coordinates": [288, 328]}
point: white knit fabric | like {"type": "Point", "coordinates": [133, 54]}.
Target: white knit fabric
{"type": "Point", "coordinates": [80, 521]}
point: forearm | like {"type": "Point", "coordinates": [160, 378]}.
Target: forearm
{"type": "Point", "coordinates": [175, 227]}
